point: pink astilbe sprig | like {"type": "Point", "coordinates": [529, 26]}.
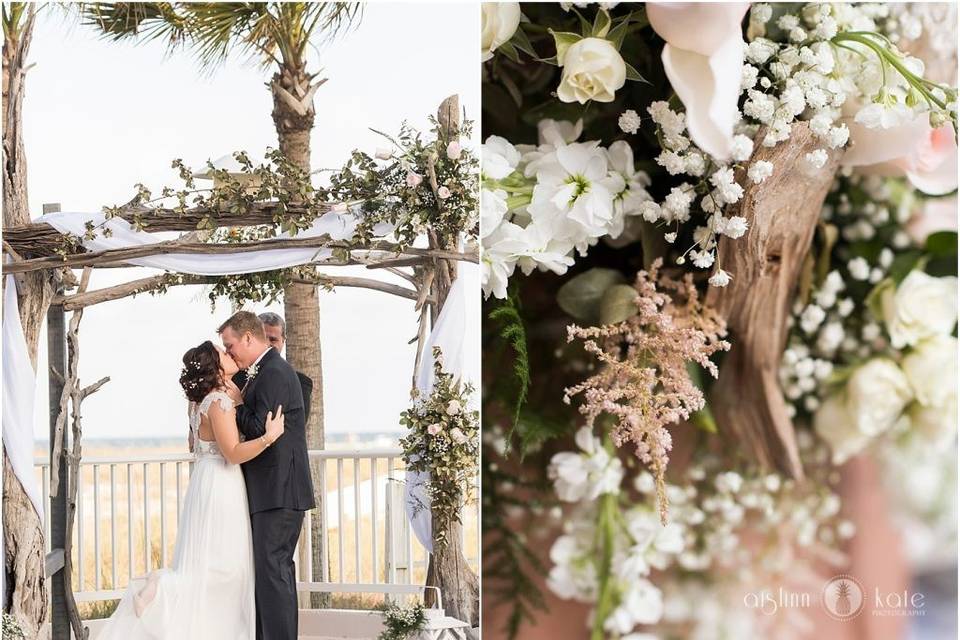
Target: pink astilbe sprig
{"type": "Point", "coordinates": [643, 382]}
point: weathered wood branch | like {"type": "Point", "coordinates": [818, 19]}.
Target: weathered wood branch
{"type": "Point", "coordinates": [765, 264]}
{"type": "Point", "coordinates": [144, 285]}
{"type": "Point", "coordinates": [98, 258]}
{"type": "Point", "coordinates": [40, 238]}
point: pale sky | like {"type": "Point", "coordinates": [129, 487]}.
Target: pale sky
{"type": "Point", "coordinates": [100, 117]}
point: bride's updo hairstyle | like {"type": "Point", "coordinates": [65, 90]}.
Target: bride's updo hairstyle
{"type": "Point", "coordinates": [201, 371]}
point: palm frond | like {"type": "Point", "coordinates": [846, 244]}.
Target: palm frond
{"type": "Point", "coordinates": [269, 32]}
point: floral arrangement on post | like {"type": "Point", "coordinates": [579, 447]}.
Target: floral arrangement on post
{"type": "Point", "coordinates": [443, 440]}
{"type": "Point", "coordinates": [589, 181]}
{"type": "Point", "coordinates": [401, 623]}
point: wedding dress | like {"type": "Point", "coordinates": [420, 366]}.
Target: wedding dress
{"type": "Point", "coordinates": [208, 591]}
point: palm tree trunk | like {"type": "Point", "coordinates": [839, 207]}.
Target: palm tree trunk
{"type": "Point", "coordinates": [293, 117]}
{"type": "Point", "coordinates": [23, 530]}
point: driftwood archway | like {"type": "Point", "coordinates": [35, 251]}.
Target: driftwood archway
{"type": "Point", "coordinates": [36, 249]}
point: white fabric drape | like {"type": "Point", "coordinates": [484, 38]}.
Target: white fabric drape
{"type": "Point", "coordinates": [19, 383]}
{"type": "Point", "coordinates": [339, 226]}
{"type": "Point", "coordinates": [457, 333]}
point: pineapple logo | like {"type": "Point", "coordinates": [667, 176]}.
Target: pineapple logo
{"type": "Point", "coordinates": [842, 597]}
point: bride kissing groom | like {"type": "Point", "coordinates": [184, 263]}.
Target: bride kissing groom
{"type": "Point", "coordinates": [232, 575]}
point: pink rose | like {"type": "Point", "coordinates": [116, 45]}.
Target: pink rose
{"type": "Point", "coordinates": [454, 150]}
{"type": "Point", "coordinates": [926, 156]}
{"type": "Point", "coordinates": [936, 214]}
{"type": "Point", "coordinates": [443, 193]}
{"type": "Point", "coordinates": [434, 429]}
{"type": "Point", "coordinates": [703, 60]}
{"type": "Point", "coordinates": [414, 180]}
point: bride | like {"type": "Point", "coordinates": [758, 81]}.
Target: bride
{"type": "Point", "coordinates": [208, 591]}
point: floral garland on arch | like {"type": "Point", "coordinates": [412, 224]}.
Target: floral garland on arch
{"type": "Point", "coordinates": [591, 181]}
{"type": "Point", "coordinates": [443, 440]}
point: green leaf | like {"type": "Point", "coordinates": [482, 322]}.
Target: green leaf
{"type": "Point", "coordinates": [563, 41]}
{"type": "Point", "coordinates": [942, 243]}
{"type": "Point", "coordinates": [633, 74]}
{"type": "Point", "coordinates": [874, 299]}
{"type": "Point", "coordinates": [521, 41]}
{"type": "Point", "coordinates": [514, 333]}
{"type": "Point", "coordinates": [510, 51]}
{"type": "Point", "coordinates": [903, 264]}
{"type": "Point", "coordinates": [601, 24]}
{"type": "Point", "coordinates": [581, 295]}
{"type": "Point", "coordinates": [618, 304]}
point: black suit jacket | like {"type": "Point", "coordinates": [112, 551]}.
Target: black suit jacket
{"type": "Point", "coordinates": [306, 388]}
{"type": "Point", "coordinates": [280, 476]}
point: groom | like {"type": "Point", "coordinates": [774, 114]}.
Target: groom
{"type": "Point", "coordinates": [279, 487]}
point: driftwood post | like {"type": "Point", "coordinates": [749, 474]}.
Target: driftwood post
{"type": "Point", "coordinates": [782, 214]}
{"type": "Point", "coordinates": [57, 371]}
{"type": "Point", "coordinates": [448, 568]}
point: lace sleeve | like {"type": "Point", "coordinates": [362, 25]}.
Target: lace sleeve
{"type": "Point", "coordinates": [216, 396]}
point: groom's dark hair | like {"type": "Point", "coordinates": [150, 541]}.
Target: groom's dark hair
{"type": "Point", "coordinates": [242, 322]}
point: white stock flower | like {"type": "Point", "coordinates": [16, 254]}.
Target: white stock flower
{"type": "Point", "coordinates": [499, 258]}
{"type": "Point", "coordinates": [592, 70]}
{"type": "Point", "coordinates": [500, 158]}
{"type": "Point", "coordinates": [493, 208]}
{"type": "Point", "coordinates": [498, 23]}
{"type": "Point", "coordinates": [703, 60]}
{"type": "Point", "coordinates": [574, 182]}
{"type": "Point", "coordinates": [641, 603]}
{"type": "Point", "coordinates": [922, 306]}
{"type": "Point", "coordinates": [587, 474]}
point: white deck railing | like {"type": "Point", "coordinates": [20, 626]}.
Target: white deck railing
{"type": "Point", "coordinates": [128, 508]}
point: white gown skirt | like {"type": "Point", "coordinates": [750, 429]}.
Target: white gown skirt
{"type": "Point", "coordinates": [208, 591]}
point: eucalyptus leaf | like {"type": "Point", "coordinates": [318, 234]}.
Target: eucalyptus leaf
{"type": "Point", "coordinates": [581, 295]}
{"type": "Point", "coordinates": [618, 304]}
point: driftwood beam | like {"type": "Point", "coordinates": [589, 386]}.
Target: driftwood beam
{"type": "Point", "coordinates": [782, 214]}
{"type": "Point", "coordinates": [144, 285]}
{"type": "Point", "coordinates": [97, 258]}
{"type": "Point", "coordinates": [41, 238]}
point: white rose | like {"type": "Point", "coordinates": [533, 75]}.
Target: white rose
{"type": "Point", "coordinates": [833, 423]}
{"type": "Point", "coordinates": [453, 407]}
{"type": "Point", "coordinates": [937, 425]}
{"type": "Point", "coordinates": [498, 23]}
{"type": "Point", "coordinates": [872, 403]}
{"type": "Point", "coordinates": [457, 436]}
{"type": "Point", "coordinates": [931, 369]}
{"type": "Point", "coordinates": [922, 306]}
{"type": "Point", "coordinates": [877, 393]}
{"type": "Point", "coordinates": [592, 70]}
